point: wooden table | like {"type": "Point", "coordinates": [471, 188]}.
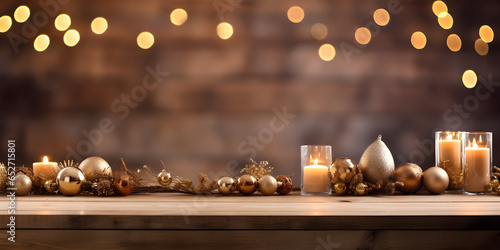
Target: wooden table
{"type": "Point", "coordinates": [174, 221]}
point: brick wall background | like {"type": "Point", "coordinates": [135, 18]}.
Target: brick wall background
{"type": "Point", "coordinates": [220, 92]}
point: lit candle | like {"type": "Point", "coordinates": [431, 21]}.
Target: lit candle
{"type": "Point", "coordinates": [315, 178]}
{"type": "Point", "coordinates": [450, 153]}
{"type": "Point", "coordinates": [477, 168]}
{"type": "Point", "coordinates": [46, 170]}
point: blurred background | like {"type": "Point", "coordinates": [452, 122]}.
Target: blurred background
{"type": "Point", "coordinates": [225, 80]}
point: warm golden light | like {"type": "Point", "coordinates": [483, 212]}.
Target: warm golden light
{"type": "Point", "coordinates": [481, 47]}
{"type": "Point", "coordinates": [145, 40]}
{"type": "Point", "coordinates": [381, 17]}
{"type": "Point", "coordinates": [178, 17]}
{"type": "Point", "coordinates": [439, 7]}
{"type": "Point", "coordinates": [319, 31]}
{"type": "Point", "coordinates": [486, 33]}
{"type": "Point", "coordinates": [71, 38]}
{"type": "Point", "coordinates": [41, 42]}
{"type": "Point", "coordinates": [22, 14]}
{"type": "Point", "coordinates": [326, 52]}
{"type": "Point", "coordinates": [295, 14]}
{"type": "Point", "coordinates": [363, 35]}
{"type": "Point", "coordinates": [5, 23]}
{"type": "Point", "coordinates": [62, 22]}
{"type": "Point", "coordinates": [224, 30]}
{"type": "Point", "coordinates": [445, 21]}
{"type": "Point", "coordinates": [454, 42]}
{"type": "Point", "coordinates": [99, 25]}
{"type": "Point", "coordinates": [418, 40]}
{"type": "Point", "coordinates": [45, 159]}
{"type": "Point", "coordinates": [469, 79]}
{"type": "Point", "coordinates": [316, 161]}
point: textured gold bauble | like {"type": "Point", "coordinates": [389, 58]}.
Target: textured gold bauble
{"type": "Point", "coordinates": [377, 162]}
{"type": "Point", "coordinates": [23, 184]}
{"type": "Point", "coordinates": [247, 184]}
{"type": "Point", "coordinates": [436, 180]}
{"type": "Point", "coordinates": [124, 184]}
{"type": "Point", "coordinates": [164, 178]}
{"type": "Point", "coordinates": [361, 189]}
{"type": "Point", "coordinates": [95, 167]}
{"type": "Point", "coordinates": [339, 188]}
{"type": "Point", "coordinates": [410, 175]}
{"type": "Point", "coordinates": [285, 184]}
{"type": "Point", "coordinates": [50, 186]}
{"type": "Point", "coordinates": [267, 185]}
{"type": "Point", "coordinates": [342, 170]}
{"type": "Point", "coordinates": [226, 185]}
{"type": "Point", "coordinates": [69, 181]}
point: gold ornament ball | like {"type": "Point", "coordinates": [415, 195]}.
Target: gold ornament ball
{"type": "Point", "coordinates": [411, 175]}
{"type": "Point", "coordinates": [23, 184]}
{"type": "Point", "coordinates": [50, 186]}
{"type": "Point", "coordinates": [361, 189]}
{"type": "Point", "coordinates": [285, 184]}
{"type": "Point", "coordinates": [341, 167]}
{"type": "Point", "coordinates": [124, 184]}
{"type": "Point", "coordinates": [226, 185]}
{"type": "Point", "coordinates": [247, 184]}
{"type": "Point", "coordinates": [95, 167]}
{"type": "Point", "coordinates": [164, 178]}
{"type": "Point", "coordinates": [436, 180]}
{"type": "Point", "coordinates": [267, 185]}
{"type": "Point", "coordinates": [339, 188]}
{"type": "Point", "coordinates": [377, 162]}
{"type": "Point", "coordinates": [69, 181]}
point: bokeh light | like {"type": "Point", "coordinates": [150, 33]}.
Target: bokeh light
{"type": "Point", "coordinates": [41, 42]}
{"type": "Point", "coordinates": [145, 40]}
{"type": "Point", "coordinates": [418, 40]}
{"type": "Point", "coordinates": [62, 22]}
{"type": "Point", "coordinates": [22, 14]}
{"type": "Point", "coordinates": [319, 31]}
{"type": "Point", "coordinates": [439, 7]}
{"type": "Point", "coordinates": [481, 47]}
{"type": "Point", "coordinates": [224, 30]}
{"type": "Point", "coordinates": [454, 42]}
{"type": "Point", "coordinates": [445, 21]}
{"type": "Point", "coordinates": [326, 52]}
{"type": "Point", "coordinates": [295, 14]}
{"type": "Point", "coordinates": [99, 25]}
{"type": "Point", "coordinates": [71, 38]}
{"type": "Point", "coordinates": [486, 33]}
{"type": "Point", "coordinates": [363, 35]}
{"type": "Point", "coordinates": [178, 17]}
{"type": "Point", "coordinates": [469, 79]}
{"type": "Point", "coordinates": [5, 23]}
{"type": "Point", "coordinates": [381, 17]}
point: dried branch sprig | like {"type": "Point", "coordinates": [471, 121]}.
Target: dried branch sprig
{"type": "Point", "coordinates": [257, 170]}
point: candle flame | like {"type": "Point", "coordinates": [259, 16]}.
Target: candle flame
{"type": "Point", "coordinates": [449, 136]}
{"type": "Point", "coordinates": [480, 139]}
{"type": "Point", "coordinates": [473, 144]}
{"type": "Point", "coordinates": [45, 159]}
{"type": "Point", "coordinates": [316, 161]}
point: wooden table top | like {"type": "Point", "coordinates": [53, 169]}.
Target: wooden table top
{"type": "Point", "coordinates": [293, 211]}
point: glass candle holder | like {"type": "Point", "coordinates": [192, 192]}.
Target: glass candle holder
{"type": "Point", "coordinates": [315, 164]}
{"type": "Point", "coordinates": [449, 156]}
{"type": "Point", "coordinates": [478, 162]}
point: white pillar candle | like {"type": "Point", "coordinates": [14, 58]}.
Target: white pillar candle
{"type": "Point", "coordinates": [315, 178]}
{"type": "Point", "coordinates": [46, 170]}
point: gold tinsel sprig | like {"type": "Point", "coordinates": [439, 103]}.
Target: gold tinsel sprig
{"type": "Point", "coordinates": [455, 174]}
{"type": "Point", "coordinates": [257, 170]}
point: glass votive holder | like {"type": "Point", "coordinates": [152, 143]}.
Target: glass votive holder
{"type": "Point", "coordinates": [315, 164]}
{"type": "Point", "coordinates": [478, 162]}
{"type": "Point", "coordinates": [449, 156]}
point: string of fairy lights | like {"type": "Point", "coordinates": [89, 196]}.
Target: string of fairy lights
{"type": "Point", "coordinates": [295, 14]}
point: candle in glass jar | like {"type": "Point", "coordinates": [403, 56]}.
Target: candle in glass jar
{"type": "Point", "coordinates": [46, 170]}
{"type": "Point", "coordinates": [449, 151]}
{"type": "Point", "coordinates": [477, 168]}
{"type": "Point", "coordinates": [315, 178]}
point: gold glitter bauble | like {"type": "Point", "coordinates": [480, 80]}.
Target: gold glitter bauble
{"type": "Point", "coordinates": [411, 175]}
{"type": "Point", "coordinates": [285, 184]}
{"type": "Point", "coordinates": [164, 178]}
{"type": "Point", "coordinates": [247, 184]}
{"type": "Point", "coordinates": [342, 170]}
{"type": "Point", "coordinates": [436, 180]}
{"type": "Point", "coordinates": [377, 162]}
{"type": "Point", "coordinates": [361, 189]}
{"type": "Point", "coordinates": [226, 185]}
{"type": "Point", "coordinates": [95, 167]}
{"type": "Point", "coordinates": [267, 185]}
{"type": "Point", "coordinates": [69, 181]}
{"type": "Point", "coordinates": [339, 188]}
{"type": "Point", "coordinates": [50, 186]}
{"type": "Point", "coordinates": [23, 184]}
